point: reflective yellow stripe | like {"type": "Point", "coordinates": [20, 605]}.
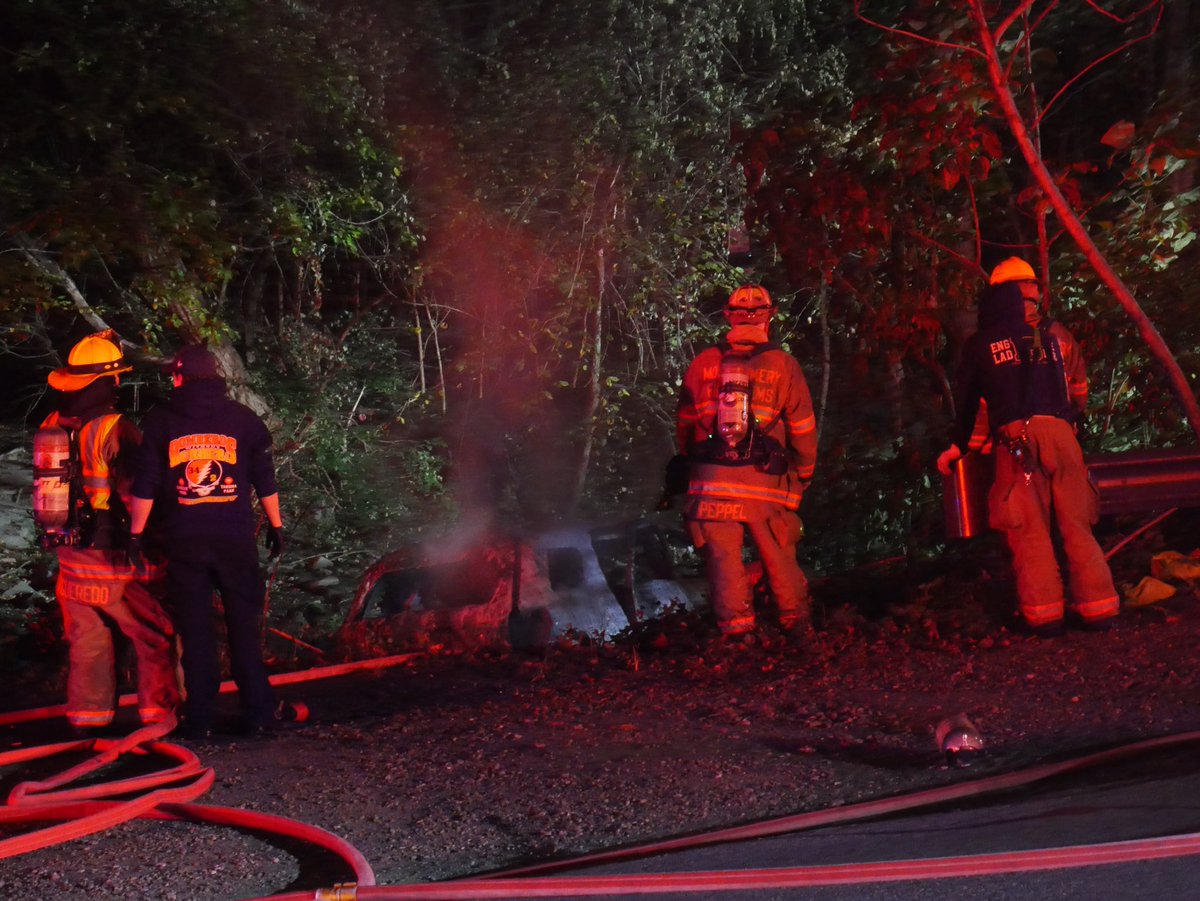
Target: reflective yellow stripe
{"type": "Point", "coordinates": [89, 717]}
{"type": "Point", "coordinates": [93, 572]}
{"type": "Point", "coordinates": [737, 626]}
{"type": "Point", "coordinates": [96, 473]}
{"type": "Point", "coordinates": [1041, 614]}
{"type": "Point", "coordinates": [804, 426]}
{"type": "Point", "coordinates": [1101, 609]}
{"type": "Point", "coordinates": [741, 490]}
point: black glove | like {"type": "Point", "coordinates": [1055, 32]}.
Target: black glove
{"type": "Point", "coordinates": [675, 481]}
{"type": "Point", "coordinates": [137, 559]}
{"type": "Point", "coordinates": [274, 541]}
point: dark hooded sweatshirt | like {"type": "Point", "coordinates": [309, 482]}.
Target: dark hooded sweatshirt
{"type": "Point", "coordinates": [201, 455]}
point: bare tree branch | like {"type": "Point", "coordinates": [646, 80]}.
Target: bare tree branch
{"type": "Point", "coordinates": [1122, 20]}
{"type": "Point", "coordinates": [1078, 75]}
{"type": "Point", "coordinates": [1070, 221]}
{"type": "Point", "coordinates": [912, 35]}
{"type": "Point", "coordinates": [42, 261]}
{"type": "Point", "coordinates": [1018, 13]}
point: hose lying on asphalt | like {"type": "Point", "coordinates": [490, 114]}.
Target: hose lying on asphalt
{"type": "Point", "coordinates": [89, 809]}
{"type": "Point", "coordinates": [84, 812]}
{"type": "Point", "coordinates": [781, 878]}
{"type": "Point", "coordinates": [31, 801]}
{"type": "Point", "coordinates": [533, 881]}
{"type": "Point", "coordinates": [13, 717]}
{"type": "Point", "coordinates": [866, 809]}
{"type": "Point", "coordinates": [201, 813]}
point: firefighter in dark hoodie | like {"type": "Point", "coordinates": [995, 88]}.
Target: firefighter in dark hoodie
{"type": "Point", "coordinates": [745, 424]}
{"type": "Point", "coordinates": [202, 456]}
{"type": "Point", "coordinates": [1028, 373]}
{"type": "Point", "coordinates": [96, 585]}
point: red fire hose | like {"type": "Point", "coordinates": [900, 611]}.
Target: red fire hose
{"type": "Point", "coordinates": [30, 801]}
{"type": "Point", "coordinates": [867, 809]}
{"type": "Point", "coordinates": [14, 717]}
{"type": "Point", "coordinates": [84, 812]}
{"type": "Point", "coordinates": [87, 810]}
{"type": "Point", "coordinates": [781, 878]}
{"type": "Point", "coordinates": [525, 883]}
{"type": "Point", "coordinates": [196, 813]}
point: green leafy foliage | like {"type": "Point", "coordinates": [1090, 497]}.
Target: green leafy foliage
{"type": "Point", "coordinates": [900, 218]}
{"type": "Point", "coordinates": [354, 474]}
{"type": "Point", "coordinates": [477, 244]}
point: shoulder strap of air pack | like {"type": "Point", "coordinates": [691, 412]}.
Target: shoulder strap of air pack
{"type": "Point", "coordinates": [81, 514]}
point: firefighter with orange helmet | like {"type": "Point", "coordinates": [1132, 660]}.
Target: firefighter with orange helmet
{"type": "Point", "coordinates": [97, 587]}
{"type": "Point", "coordinates": [1029, 372]}
{"type": "Point", "coordinates": [745, 423]}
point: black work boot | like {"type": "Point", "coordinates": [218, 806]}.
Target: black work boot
{"type": "Point", "coordinates": [1055, 629]}
{"type": "Point", "coordinates": [191, 729]}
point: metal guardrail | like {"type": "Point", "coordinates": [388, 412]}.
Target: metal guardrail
{"type": "Point", "coordinates": [1144, 480]}
{"type": "Point", "coordinates": [1139, 481]}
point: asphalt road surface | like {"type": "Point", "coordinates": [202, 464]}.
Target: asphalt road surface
{"type": "Point", "coordinates": [1150, 797]}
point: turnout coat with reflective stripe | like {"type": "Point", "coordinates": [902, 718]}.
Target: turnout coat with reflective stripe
{"type": "Point", "coordinates": [782, 409]}
{"type": "Point", "coordinates": [99, 445]}
{"type": "Point", "coordinates": [107, 443]}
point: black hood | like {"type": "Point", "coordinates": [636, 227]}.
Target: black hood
{"type": "Point", "coordinates": [87, 403]}
{"type": "Point", "coordinates": [749, 350]}
{"type": "Point", "coordinates": [1001, 303]}
{"type": "Point", "coordinates": [199, 393]}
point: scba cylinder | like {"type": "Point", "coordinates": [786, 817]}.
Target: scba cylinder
{"type": "Point", "coordinates": [51, 478]}
{"type": "Point", "coordinates": [733, 401]}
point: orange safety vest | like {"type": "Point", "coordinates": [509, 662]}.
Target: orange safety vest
{"type": "Point", "coordinates": [94, 437]}
{"type": "Point", "coordinates": [90, 575]}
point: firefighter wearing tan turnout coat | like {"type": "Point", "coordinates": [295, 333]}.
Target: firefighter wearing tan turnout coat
{"type": "Point", "coordinates": [1028, 372]}
{"type": "Point", "coordinates": [96, 585]}
{"type": "Point", "coordinates": [745, 424]}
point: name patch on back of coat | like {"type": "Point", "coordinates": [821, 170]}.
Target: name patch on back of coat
{"type": "Point", "coordinates": [720, 510]}
{"type": "Point", "coordinates": [93, 594]}
{"type": "Point", "coordinates": [1004, 351]}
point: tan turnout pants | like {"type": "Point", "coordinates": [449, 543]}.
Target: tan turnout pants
{"type": "Point", "coordinates": [731, 598]}
{"type": "Point", "coordinates": [94, 594]}
{"type": "Point", "coordinates": [1058, 494]}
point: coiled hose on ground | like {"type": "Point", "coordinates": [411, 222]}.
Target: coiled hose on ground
{"type": "Point", "coordinates": [169, 793]}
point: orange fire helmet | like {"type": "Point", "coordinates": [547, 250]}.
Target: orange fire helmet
{"type": "Point", "coordinates": [750, 298]}
{"type": "Point", "coordinates": [95, 356]}
{"type": "Point", "coordinates": [1014, 269]}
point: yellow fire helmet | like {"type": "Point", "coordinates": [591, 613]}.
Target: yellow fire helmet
{"type": "Point", "coordinates": [1014, 269]}
{"type": "Point", "coordinates": [95, 356]}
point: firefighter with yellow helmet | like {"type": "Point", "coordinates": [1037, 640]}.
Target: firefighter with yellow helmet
{"type": "Point", "coordinates": [1029, 373]}
{"type": "Point", "coordinates": [746, 426]}
{"type": "Point", "coordinates": [97, 587]}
